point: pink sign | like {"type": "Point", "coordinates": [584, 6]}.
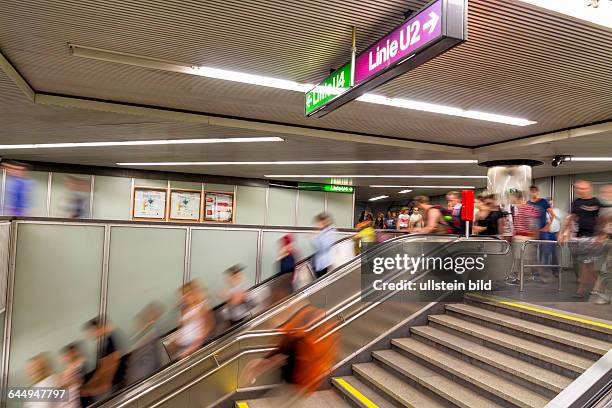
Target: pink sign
{"type": "Point", "coordinates": [401, 43]}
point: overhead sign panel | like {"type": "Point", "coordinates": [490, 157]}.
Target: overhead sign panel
{"type": "Point", "coordinates": [436, 28]}
{"type": "Point", "coordinates": [401, 43]}
{"type": "Point", "coordinates": [337, 83]}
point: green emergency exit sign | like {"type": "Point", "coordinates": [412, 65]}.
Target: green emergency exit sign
{"type": "Point", "coordinates": [330, 188]}
{"type": "Point", "coordinates": [333, 86]}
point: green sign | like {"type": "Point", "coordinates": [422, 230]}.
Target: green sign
{"type": "Point", "coordinates": [334, 85]}
{"type": "Point", "coordinates": [331, 188]}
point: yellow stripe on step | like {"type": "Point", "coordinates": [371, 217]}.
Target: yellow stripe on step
{"type": "Point", "coordinates": [242, 404]}
{"type": "Point", "coordinates": [543, 311]}
{"type": "Point", "coordinates": [355, 393]}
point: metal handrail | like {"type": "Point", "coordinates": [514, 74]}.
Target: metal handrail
{"type": "Point", "coordinates": [345, 322]}
{"type": "Point", "coordinates": [342, 271]}
{"type": "Point", "coordinates": [523, 266]}
{"type": "Point", "coordinates": [231, 337]}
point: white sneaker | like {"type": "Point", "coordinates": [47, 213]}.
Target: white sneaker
{"type": "Point", "coordinates": [602, 299]}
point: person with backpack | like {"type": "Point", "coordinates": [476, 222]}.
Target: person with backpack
{"type": "Point", "coordinates": [436, 219]}
{"type": "Point", "coordinates": [305, 355]}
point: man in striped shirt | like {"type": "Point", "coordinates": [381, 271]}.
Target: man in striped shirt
{"type": "Point", "coordinates": [524, 220]}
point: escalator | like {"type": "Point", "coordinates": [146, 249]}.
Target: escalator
{"type": "Point", "coordinates": [209, 377]}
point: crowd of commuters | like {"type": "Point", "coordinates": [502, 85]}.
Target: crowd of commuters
{"type": "Point", "coordinates": [197, 323]}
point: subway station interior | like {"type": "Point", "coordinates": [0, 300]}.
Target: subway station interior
{"type": "Point", "coordinates": [306, 204]}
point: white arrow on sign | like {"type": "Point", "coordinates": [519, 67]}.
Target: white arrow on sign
{"type": "Point", "coordinates": [432, 22]}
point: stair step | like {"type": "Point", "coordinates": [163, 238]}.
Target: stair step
{"type": "Point", "coordinates": [394, 387]}
{"type": "Point", "coordinates": [550, 333]}
{"type": "Point", "coordinates": [512, 365]}
{"type": "Point", "coordinates": [319, 399]}
{"type": "Point", "coordinates": [567, 318]}
{"type": "Point", "coordinates": [361, 394]}
{"type": "Point", "coordinates": [551, 355]}
{"type": "Point", "coordinates": [439, 384]}
{"type": "Point", "coordinates": [496, 385]}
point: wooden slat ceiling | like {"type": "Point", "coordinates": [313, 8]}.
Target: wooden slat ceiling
{"type": "Point", "coordinates": [519, 61]}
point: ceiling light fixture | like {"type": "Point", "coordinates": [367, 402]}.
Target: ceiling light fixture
{"type": "Point", "coordinates": [588, 159]}
{"type": "Point", "coordinates": [598, 12]}
{"type": "Point", "coordinates": [389, 186]}
{"type": "Point", "coordinates": [444, 110]}
{"type": "Point", "coordinates": [140, 143]}
{"type": "Point", "coordinates": [297, 162]}
{"type": "Point", "coordinates": [251, 79]}
{"type": "Point", "coordinates": [378, 198]}
{"type": "Point", "coordinates": [404, 191]}
{"type": "Point", "coordinates": [419, 176]}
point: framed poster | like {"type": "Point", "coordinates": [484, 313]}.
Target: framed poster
{"type": "Point", "coordinates": [218, 207]}
{"type": "Point", "coordinates": [149, 203]}
{"type": "Point", "coordinates": [185, 205]}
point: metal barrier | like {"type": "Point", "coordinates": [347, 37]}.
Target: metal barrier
{"type": "Point", "coordinates": [523, 265]}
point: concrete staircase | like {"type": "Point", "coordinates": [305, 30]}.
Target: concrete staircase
{"type": "Point", "coordinates": [477, 354]}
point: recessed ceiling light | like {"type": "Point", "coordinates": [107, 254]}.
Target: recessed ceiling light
{"type": "Point", "coordinates": [378, 198]}
{"type": "Point", "coordinates": [585, 159]}
{"type": "Point", "coordinates": [389, 186]}
{"type": "Point", "coordinates": [297, 162]}
{"type": "Point", "coordinates": [251, 79]}
{"type": "Point", "coordinates": [140, 143]}
{"type": "Point", "coordinates": [426, 176]}
{"type": "Point", "coordinates": [404, 191]}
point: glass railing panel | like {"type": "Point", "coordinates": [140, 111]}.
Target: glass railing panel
{"type": "Point", "coordinates": [52, 299]}
{"type": "Point", "coordinates": [146, 265]}
{"type": "Point", "coordinates": [216, 249]}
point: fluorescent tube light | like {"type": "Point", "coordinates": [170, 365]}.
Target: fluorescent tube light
{"type": "Point", "coordinates": [404, 191]}
{"type": "Point", "coordinates": [390, 186]}
{"type": "Point", "coordinates": [588, 159]}
{"type": "Point", "coordinates": [251, 79]}
{"type": "Point", "coordinates": [585, 10]}
{"type": "Point", "coordinates": [140, 143]}
{"type": "Point", "coordinates": [435, 176]}
{"type": "Point", "coordinates": [444, 110]}
{"type": "Point", "coordinates": [378, 198]}
{"type": "Point", "coordinates": [298, 162]}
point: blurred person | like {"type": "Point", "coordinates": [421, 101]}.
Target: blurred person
{"type": "Point", "coordinates": [456, 226]}
{"type": "Point", "coordinates": [366, 235]}
{"type": "Point", "coordinates": [585, 246]}
{"type": "Point", "coordinates": [323, 242]}
{"type": "Point", "coordinates": [366, 214]}
{"type": "Point", "coordinates": [107, 376]}
{"type": "Point", "coordinates": [434, 219]}
{"type": "Point", "coordinates": [236, 295]}
{"type": "Point", "coordinates": [38, 368]}
{"type": "Point", "coordinates": [379, 223]}
{"type": "Point", "coordinates": [17, 189]}
{"type": "Point", "coordinates": [72, 376]}
{"type": "Point", "coordinates": [390, 220]}
{"type": "Point", "coordinates": [415, 220]}
{"type": "Point", "coordinates": [525, 222]}
{"type": "Point", "coordinates": [79, 195]}
{"type": "Point", "coordinates": [305, 356]}
{"type": "Point", "coordinates": [195, 320]}
{"type": "Point", "coordinates": [145, 358]}
{"type": "Point", "coordinates": [403, 220]}
{"type": "Point", "coordinates": [546, 216]}
{"type": "Point", "coordinates": [453, 198]}
{"type": "Point", "coordinates": [490, 219]}
{"type": "Point", "coordinates": [604, 229]}
{"type": "Point", "coordinates": [286, 265]}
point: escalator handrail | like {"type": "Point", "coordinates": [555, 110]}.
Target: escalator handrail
{"type": "Point", "coordinates": [229, 338]}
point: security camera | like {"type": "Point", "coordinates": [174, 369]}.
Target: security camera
{"type": "Point", "coordinates": [559, 159]}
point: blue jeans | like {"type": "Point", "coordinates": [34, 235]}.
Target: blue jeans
{"type": "Point", "coordinates": [548, 253]}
